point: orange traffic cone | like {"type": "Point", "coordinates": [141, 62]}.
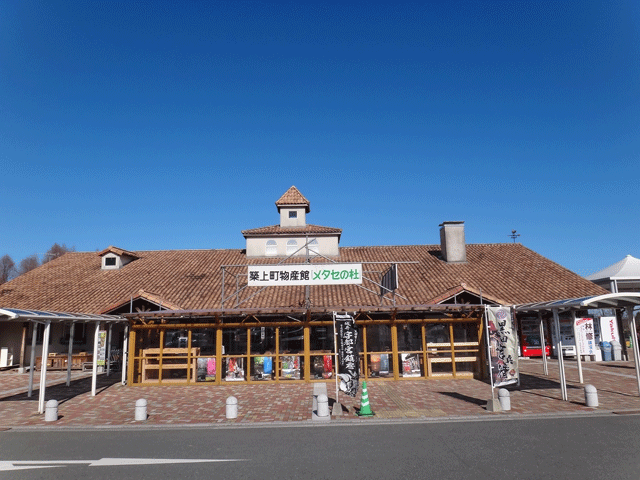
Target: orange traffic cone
{"type": "Point", "coordinates": [365, 408]}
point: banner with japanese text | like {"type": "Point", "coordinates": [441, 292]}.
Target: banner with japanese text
{"type": "Point", "coordinates": [305, 274]}
{"type": "Point", "coordinates": [585, 336]}
{"type": "Point", "coordinates": [503, 346]}
{"type": "Point", "coordinates": [348, 355]}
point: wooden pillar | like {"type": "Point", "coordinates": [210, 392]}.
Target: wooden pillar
{"type": "Point", "coordinates": [190, 358]}
{"type": "Point", "coordinates": [218, 355]}
{"type": "Point", "coordinates": [453, 353]}
{"type": "Point", "coordinates": [307, 355]}
{"type": "Point", "coordinates": [394, 352]}
{"type": "Point", "coordinates": [23, 346]}
{"type": "Point", "coordinates": [133, 377]}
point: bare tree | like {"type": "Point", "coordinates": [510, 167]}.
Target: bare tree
{"type": "Point", "coordinates": [7, 268]}
{"type": "Point", "coordinates": [56, 251]}
{"type": "Point", "coordinates": [28, 264]}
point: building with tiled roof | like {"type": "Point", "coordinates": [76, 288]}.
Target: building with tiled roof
{"type": "Point", "coordinates": [199, 303]}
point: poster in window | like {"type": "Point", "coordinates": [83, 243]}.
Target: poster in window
{"type": "Point", "coordinates": [384, 364]}
{"type": "Point", "coordinates": [235, 369]}
{"type": "Point", "coordinates": [327, 371]}
{"type": "Point", "coordinates": [206, 369]}
{"type": "Point", "coordinates": [263, 368]}
{"type": "Point", "coordinates": [410, 365]}
{"type": "Point", "coordinates": [291, 367]}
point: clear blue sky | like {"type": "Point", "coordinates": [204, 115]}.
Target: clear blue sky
{"type": "Point", "coordinates": [175, 125]}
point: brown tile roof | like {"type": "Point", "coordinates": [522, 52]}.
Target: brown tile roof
{"type": "Point", "coordinates": [117, 251]}
{"type": "Point", "coordinates": [278, 230]}
{"type": "Point", "coordinates": [192, 279]}
{"type": "Point", "coordinates": [293, 197]}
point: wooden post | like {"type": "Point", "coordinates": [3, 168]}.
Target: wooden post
{"type": "Point", "coordinates": [131, 359]}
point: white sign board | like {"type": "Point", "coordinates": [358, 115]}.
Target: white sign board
{"type": "Point", "coordinates": [609, 329]}
{"type": "Point", "coordinates": [305, 274]}
{"type": "Point", "coordinates": [586, 336]}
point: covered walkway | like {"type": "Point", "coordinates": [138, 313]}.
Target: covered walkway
{"type": "Point", "coordinates": [616, 301]}
{"type": "Point", "coordinates": [100, 345]}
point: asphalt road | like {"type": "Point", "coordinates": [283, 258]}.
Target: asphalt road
{"type": "Point", "coordinates": [577, 447]}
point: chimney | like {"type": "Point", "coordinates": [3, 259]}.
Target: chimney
{"type": "Point", "coordinates": [452, 244]}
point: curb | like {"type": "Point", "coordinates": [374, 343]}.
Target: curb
{"type": "Point", "coordinates": [343, 422]}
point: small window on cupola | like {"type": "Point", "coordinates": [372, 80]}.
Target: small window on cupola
{"type": "Point", "coordinates": [293, 214]}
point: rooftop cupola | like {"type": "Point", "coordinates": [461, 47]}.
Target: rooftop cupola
{"type": "Point", "coordinates": [293, 208]}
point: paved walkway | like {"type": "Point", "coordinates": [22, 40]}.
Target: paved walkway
{"type": "Point", "coordinates": [114, 405]}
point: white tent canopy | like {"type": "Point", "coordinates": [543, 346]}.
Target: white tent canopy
{"type": "Point", "coordinates": [627, 301]}
{"type": "Point", "coordinates": [624, 275]}
{"type": "Point", "coordinates": [46, 318]}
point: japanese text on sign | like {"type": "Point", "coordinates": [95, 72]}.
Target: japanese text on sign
{"type": "Point", "coordinates": [305, 274]}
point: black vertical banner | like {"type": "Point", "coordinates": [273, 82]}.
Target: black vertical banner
{"type": "Point", "coordinates": [348, 355]}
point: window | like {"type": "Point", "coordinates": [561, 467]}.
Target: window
{"type": "Point", "coordinates": [79, 334]}
{"type": "Point", "coordinates": [293, 214]}
{"type": "Point", "coordinates": [314, 247]}
{"type": "Point", "coordinates": [272, 248]}
{"type": "Point", "coordinates": [110, 261]}
{"type": "Point", "coordinates": [292, 246]}
{"type": "Point", "coordinates": [39, 332]}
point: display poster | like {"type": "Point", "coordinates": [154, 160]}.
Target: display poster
{"type": "Point", "coordinates": [585, 336]}
{"type": "Point", "coordinates": [609, 329]}
{"type": "Point", "coordinates": [102, 348]}
{"type": "Point", "coordinates": [384, 364]}
{"type": "Point", "coordinates": [410, 364]}
{"type": "Point", "coordinates": [379, 364]}
{"type": "Point", "coordinates": [263, 368]}
{"type": "Point", "coordinates": [503, 346]}
{"type": "Point", "coordinates": [348, 355]}
{"type": "Point", "coordinates": [290, 367]}
{"type": "Point", "coordinates": [327, 371]}
{"type": "Point", "coordinates": [206, 369]}
{"type": "Point", "coordinates": [235, 369]}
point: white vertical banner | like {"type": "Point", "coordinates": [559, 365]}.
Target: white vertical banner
{"type": "Point", "coordinates": [609, 329]}
{"type": "Point", "coordinates": [503, 346]}
{"type": "Point", "coordinates": [585, 334]}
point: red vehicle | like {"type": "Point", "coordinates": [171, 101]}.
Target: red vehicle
{"type": "Point", "coordinates": [530, 344]}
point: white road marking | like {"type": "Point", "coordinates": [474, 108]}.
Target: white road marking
{"type": "Point", "coordinates": [9, 465]}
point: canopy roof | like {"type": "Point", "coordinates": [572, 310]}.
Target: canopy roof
{"type": "Point", "coordinates": [610, 300]}
{"type": "Point", "coordinates": [15, 314]}
{"type": "Point", "coordinates": [626, 269]}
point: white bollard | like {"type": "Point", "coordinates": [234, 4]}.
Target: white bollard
{"type": "Point", "coordinates": [323, 405]}
{"type": "Point", "coordinates": [51, 411]}
{"type": "Point", "coordinates": [141, 410]}
{"type": "Point", "coordinates": [505, 399]}
{"type": "Point", "coordinates": [232, 407]}
{"type": "Point", "coordinates": [590, 396]}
